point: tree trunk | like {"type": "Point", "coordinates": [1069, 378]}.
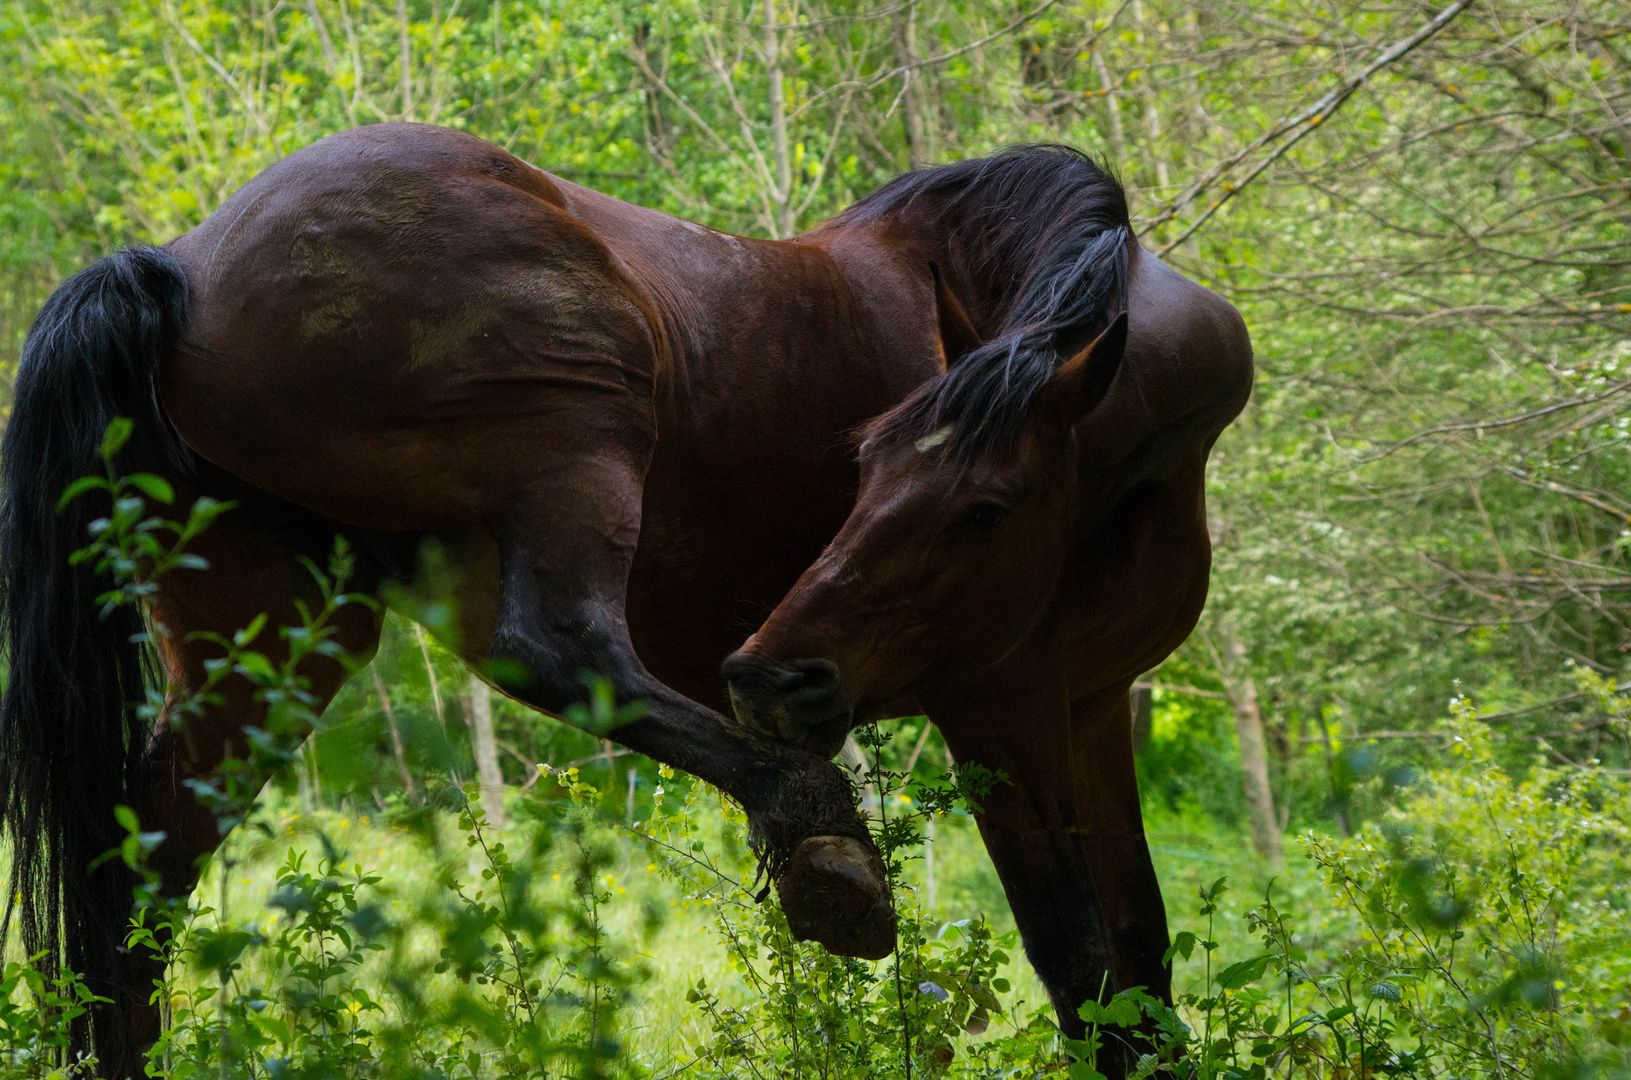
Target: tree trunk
{"type": "Point", "coordinates": [1112, 108]}
{"type": "Point", "coordinates": [1254, 760]}
{"type": "Point", "coordinates": [782, 195]}
{"type": "Point", "coordinates": [1152, 116]}
{"type": "Point", "coordinates": [486, 751]}
{"type": "Point", "coordinates": [905, 27]}
{"type": "Point", "coordinates": [405, 59]}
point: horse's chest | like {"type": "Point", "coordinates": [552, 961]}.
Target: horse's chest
{"type": "Point", "coordinates": [1132, 591]}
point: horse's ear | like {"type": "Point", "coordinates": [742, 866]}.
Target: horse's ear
{"type": "Point", "coordinates": [957, 335]}
{"type": "Point", "coordinates": [1081, 382]}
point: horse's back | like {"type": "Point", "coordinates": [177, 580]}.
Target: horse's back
{"type": "Point", "coordinates": [396, 324]}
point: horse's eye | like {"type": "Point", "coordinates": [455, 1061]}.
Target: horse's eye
{"type": "Point", "coordinates": [985, 516]}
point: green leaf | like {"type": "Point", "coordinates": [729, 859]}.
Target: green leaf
{"type": "Point", "coordinates": [1306, 1018]}
{"type": "Point", "coordinates": [156, 488]}
{"type": "Point", "coordinates": [1386, 991]}
{"type": "Point", "coordinates": [78, 488]}
{"type": "Point", "coordinates": [256, 666]}
{"type": "Point", "coordinates": [1123, 1012]}
{"type": "Point", "coordinates": [220, 950]}
{"type": "Point", "coordinates": [1244, 973]}
{"type": "Point", "coordinates": [117, 434]}
{"type": "Point", "coordinates": [1120, 1012]}
{"type": "Point", "coordinates": [273, 1026]}
{"type": "Point", "coordinates": [1182, 945]}
{"type": "Point", "coordinates": [251, 632]}
{"type": "Point", "coordinates": [1135, 996]}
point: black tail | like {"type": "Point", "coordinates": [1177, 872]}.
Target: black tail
{"type": "Point", "coordinates": [70, 735]}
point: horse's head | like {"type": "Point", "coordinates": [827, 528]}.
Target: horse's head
{"type": "Point", "coordinates": [949, 557]}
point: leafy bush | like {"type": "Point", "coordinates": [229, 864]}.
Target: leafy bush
{"type": "Point", "coordinates": [491, 977]}
{"type": "Point", "coordinates": [807, 1013]}
{"type": "Point", "coordinates": [1481, 929]}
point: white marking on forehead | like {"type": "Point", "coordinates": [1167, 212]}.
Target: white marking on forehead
{"type": "Point", "coordinates": [930, 441]}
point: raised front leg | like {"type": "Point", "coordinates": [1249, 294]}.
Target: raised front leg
{"type": "Point", "coordinates": [560, 616]}
{"type": "Point", "coordinates": [1080, 885]}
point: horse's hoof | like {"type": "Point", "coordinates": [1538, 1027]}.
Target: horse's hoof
{"type": "Point", "coordinates": [834, 891]}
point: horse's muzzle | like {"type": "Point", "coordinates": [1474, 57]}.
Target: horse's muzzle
{"type": "Point", "coordinates": [785, 699]}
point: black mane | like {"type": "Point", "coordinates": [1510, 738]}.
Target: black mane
{"type": "Point", "coordinates": [1044, 231]}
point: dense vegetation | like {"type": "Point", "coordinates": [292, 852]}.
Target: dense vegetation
{"type": "Point", "coordinates": [1425, 510]}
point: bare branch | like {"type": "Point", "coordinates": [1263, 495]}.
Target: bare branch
{"type": "Point", "coordinates": [1297, 127]}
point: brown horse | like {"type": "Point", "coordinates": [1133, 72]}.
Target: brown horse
{"type": "Point", "coordinates": [632, 435]}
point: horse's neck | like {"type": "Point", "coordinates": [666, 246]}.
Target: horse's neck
{"type": "Point", "coordinates": [814, 340]}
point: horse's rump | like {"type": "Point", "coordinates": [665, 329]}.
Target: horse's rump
{"type": "Point", "coordinates": [402, 327]}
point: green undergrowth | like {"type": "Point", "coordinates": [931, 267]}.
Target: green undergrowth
{"type": "Point", "coordinates": [1477, 927]}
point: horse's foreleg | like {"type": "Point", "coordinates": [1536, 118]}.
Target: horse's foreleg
{"type": "Point", "coordinates": [1113, 833]}
{"type": "Point", "coordinates": [1020, 723]}
{"type": "Point", "coordinates": [560, 617]}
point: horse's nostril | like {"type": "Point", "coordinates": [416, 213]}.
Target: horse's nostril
{"type": "Point", "coordinates": [811, 680]}
{"type": "Point", "coordinates": [740, 671]}
{"type": "Point", "coordinates": [798, 682]}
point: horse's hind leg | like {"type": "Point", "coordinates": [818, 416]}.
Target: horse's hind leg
{"type": "Point", "coordinates": [254, 552]}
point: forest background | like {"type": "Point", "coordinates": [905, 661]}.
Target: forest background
{"type": "Point", "coordinates": [1423, 211]}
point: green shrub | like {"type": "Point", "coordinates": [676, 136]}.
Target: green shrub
{"type": "Point", "coordinates": [492, 977]}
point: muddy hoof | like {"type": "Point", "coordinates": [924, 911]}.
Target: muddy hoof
{"type": "Point", "coordinates": [835, 892]}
